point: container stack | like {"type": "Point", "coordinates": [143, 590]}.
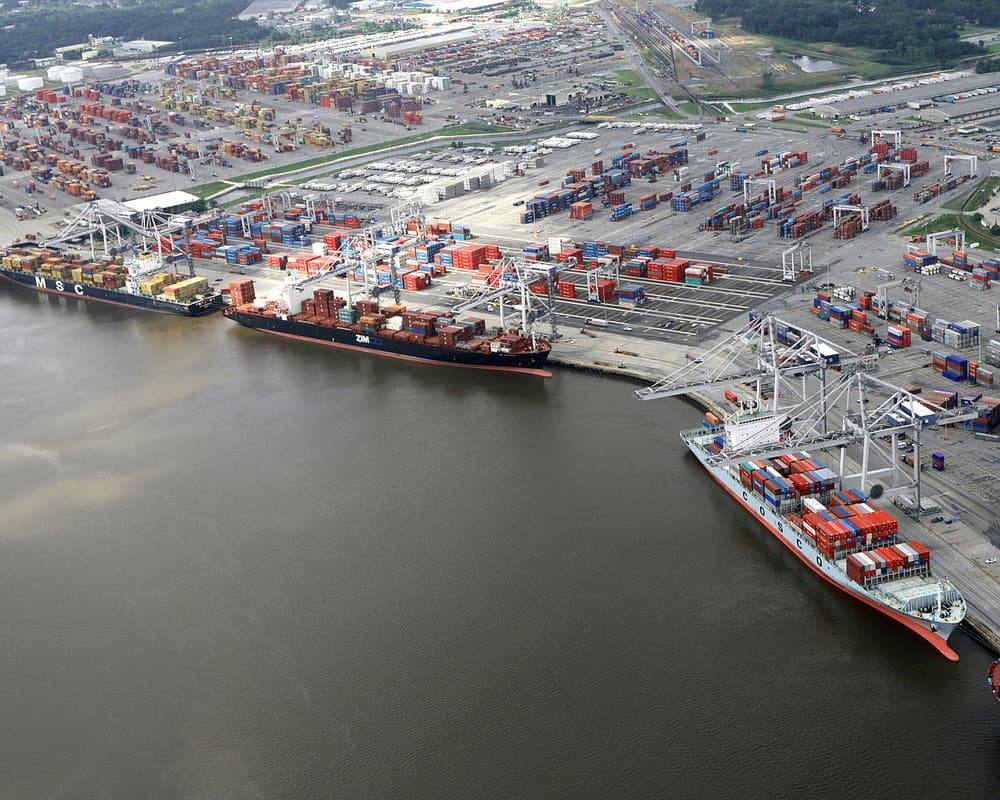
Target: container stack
{"type": "Point", "coordinates": [980, 279]}
{"type": "Point", "coordinates": [567, 289]}
{"type": "Point", "coordinates": [637, 267]}
{"type": "Point", "coordinates": [632, 295]}
{"type": "Point", "coordinates": [848, 228]}
{"type": "Point", "coordinates": [865, 526]}
{"type": "Point", "coordinates": [883, 211]}
{"type": "Point", "coordinates": [888, 563]}
{"type": "Point", "coordinates": [993, 352]}
{"type": "Point", "coordinates": [536, 252]}
{"type": "Point", "coordinates": [415, 281]}
{"type": "Point", "coordinates": [915, 260]}
{"type": "Point", "coordinates": [956, 368]}
{"type": "Point", "coordinates": [698, 274]}
{"type": "Point", "coordinates": [688, 199]}
{"type": "Point", "coordinates": [567, 253]}
{"type": "Point", "coordinates": [668, 269]}
{"type": "Point", "coordinates": [989, 416]}
{"type": "Point", "coordinates": [937, 461]}
{"type": "Point", "coordinates": [241, 292]}
{"type": "Point", "coordinates": [186, 289]}
{"type": "Point", "coordinates": [961, 335]}
{"type": "Point", "coordinates": [603, 292]}
{"type": "Point", "coordinates": [622, 211]}
{"type": "Point", "coordinates": [898, 337]}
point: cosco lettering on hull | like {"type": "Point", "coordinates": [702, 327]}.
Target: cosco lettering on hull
{"type": "Point", "coordinates": [374, 341]}
{"type": "Point", "coordinates": [60, 286]}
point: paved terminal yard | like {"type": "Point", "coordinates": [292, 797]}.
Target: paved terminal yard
{"type": "Point", "coordinates": [678, 321]}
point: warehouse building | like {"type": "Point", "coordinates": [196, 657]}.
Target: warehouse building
{"type": "Point", "coordinates": [393, 50]}
{"type": "Point", "coordinates": [870, 102]}
{"type": "Point", "coordinates": [976, 108]}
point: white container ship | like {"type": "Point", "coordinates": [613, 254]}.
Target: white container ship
{"type": "Point", "coordinates": [837, 534]}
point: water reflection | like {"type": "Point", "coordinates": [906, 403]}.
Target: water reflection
{"type": "Point", "coordinates": [807, 64]}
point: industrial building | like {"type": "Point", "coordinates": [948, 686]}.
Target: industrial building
{"type": "Point", "coordinates": [416, 44]}
{"type": "Point", "coordinates": [981, 107]}
{"type": "Point", "coordinates": [871, 101]}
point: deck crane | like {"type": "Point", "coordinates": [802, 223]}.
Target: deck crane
{"type": "Point", "coordinates": [821, 397]}
{"type": "Point", "coordinates": [512, 279]}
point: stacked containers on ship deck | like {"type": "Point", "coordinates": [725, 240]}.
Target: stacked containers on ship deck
{"type": "Point", "coordinates": [241, 292]}
{"type": "Point", "coordinates": [888, 563]}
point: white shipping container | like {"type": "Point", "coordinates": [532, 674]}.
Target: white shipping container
{"type": "Point", "coordinates": [866, 560]}
{"type": "Point", "coordinates": [813, 505]}
{"type": "Point", "coordinates": [557, 244]}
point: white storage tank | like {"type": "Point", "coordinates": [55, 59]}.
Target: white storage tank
{"type": "Point", "coordinates": [70, 75]}
{"type": "Point", "coordinates": [30, 84]}
{"type": "Point", "coordinates": [52, 73]}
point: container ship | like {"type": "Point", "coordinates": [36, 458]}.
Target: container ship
{"type": "Point", "coordinates": [837, 534]}
{"type": "Point", "coordinates": [393, 331]}
{"type": "Point", "coordinates": [138, 283]}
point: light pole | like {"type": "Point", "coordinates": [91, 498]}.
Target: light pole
{"type": "Point", "coordinates": [979, 338]}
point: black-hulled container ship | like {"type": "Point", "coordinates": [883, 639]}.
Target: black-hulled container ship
{"type": "Point", "coordinates": [138, 283]}
{"type": "Point", "coordinates": [393, 331]}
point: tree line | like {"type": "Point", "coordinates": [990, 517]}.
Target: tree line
{"type": "Point", "coordinates": [903, 32]}
{"type": "Point", "coordinates": [35, 31]}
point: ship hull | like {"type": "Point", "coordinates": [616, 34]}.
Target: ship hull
{"type": "Point", "coordinates": [532, 363]}
{"type": "Point", "coordinates": [936, 633]}
{"type": "Point", "coordinates": [99, 294]}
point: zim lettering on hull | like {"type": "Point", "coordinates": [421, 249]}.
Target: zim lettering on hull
{"type": "Point", "coordinates": [361, 338]}
{"type": "Point", "coordinates": [60, 286]}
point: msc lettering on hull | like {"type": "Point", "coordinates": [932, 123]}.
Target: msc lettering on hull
{"type": "Point", "coordinates": [42, 283]}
